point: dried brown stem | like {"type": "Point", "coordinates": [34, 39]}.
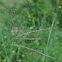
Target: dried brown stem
{"type": "Point", "coordinates": [27, 39]}
{"type": "Point", "coordinates": [32, 50]}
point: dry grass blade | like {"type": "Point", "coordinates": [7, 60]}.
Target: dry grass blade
{"type": "Point", "coordinates": [27, 39]}
{"type": "Point", "coordinates": [32, 50]}
{"type": "Point", "coordinates": [34, 31]}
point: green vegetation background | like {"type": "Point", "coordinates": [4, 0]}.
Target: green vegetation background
{"type": "Point", "coordinates": [33, 15]}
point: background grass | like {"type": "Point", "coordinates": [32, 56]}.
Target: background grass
{"type": "Point", "coordinates": [33, 15]}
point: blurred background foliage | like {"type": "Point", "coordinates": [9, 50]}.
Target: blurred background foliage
{"type": "Point", "coordinates": [33, 15]}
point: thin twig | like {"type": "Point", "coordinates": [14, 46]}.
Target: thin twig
{"type": "Point", "coordinates": [32, 50]}
{"type": "Point", "coordinates": [35, 31]}
{"type": "Point", "coordinates": [12, 21]}
{"type": "Point", "coordinates": [27, 39]}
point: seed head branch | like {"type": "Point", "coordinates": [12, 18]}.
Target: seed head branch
{"type": "Point", "coordinates": [12, 21]}
{"type": "Point", "coordinates": [34, 31]}
{"type": "Point", "coordinates": [19, 30]}
{"type": "Point", "coordinates": [27, 39]}
{"type": "Point", "coordinates": [32, 50]}
{"type": "Point", "coordinates": [13, 18]}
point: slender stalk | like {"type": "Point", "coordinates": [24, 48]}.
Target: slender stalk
{"type": "Point", "coordinates": [50, 32]}
{"type": "Point", "coordinates": [32, 50]}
